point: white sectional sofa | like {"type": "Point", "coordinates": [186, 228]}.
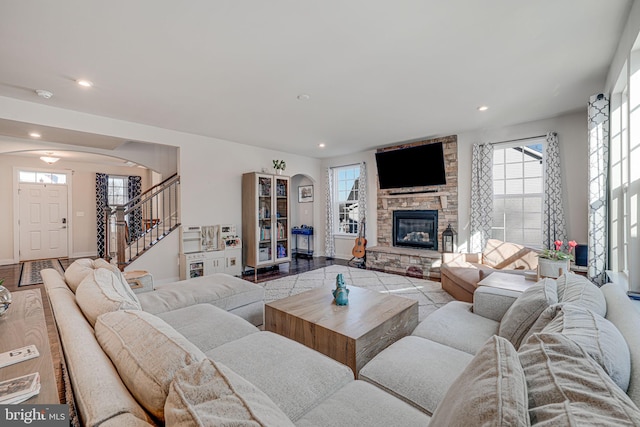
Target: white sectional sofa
{"type": "Point", "coordinates": [149, 359]}
{"type": "Point", "coordinates": [564, 352]}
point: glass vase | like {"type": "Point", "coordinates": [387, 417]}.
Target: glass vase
{"type": "Point", "coordinates": [5, 300]}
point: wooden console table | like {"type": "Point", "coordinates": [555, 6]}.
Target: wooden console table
{"type": "Point", "coordinates": [24, 324]}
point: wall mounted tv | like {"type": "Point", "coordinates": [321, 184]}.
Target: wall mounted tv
{"type": "Point", "coordinates": [416, 166]}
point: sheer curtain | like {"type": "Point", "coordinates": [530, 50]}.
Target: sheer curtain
{"type": "Point", "coordinates": [102, 193]}
{"type": "Point", "coordinates": [330, 249]}
{"type": "Point", "coordinates": [553, 220]}
{"type": "Point", "coordinates": [362, 199]}
{"type": "Point", "coordinates": [598, 121]}
{"type": "Point", "coordinates": [481, 196]}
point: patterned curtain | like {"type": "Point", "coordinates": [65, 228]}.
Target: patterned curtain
{"type": "Point", "coordinates": [362, 199]}
{"type": "Point", "coordinates": [329, 246]}
{"type": "Point", "coordinates": [553, 221]}
{"type": "Point", "coordinates": [598, 121]}
{"type": "Point", "coordinates": [481, 196]}
{"type": "Point", "coordinates": [102, 205]}
{"type": "Point", "coordinates": [134, 188]}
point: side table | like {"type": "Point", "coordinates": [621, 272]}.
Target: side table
{"type": "Point", "coordinates": [139, 280]}
{"type": "Point", "coordinates": [24, 324]}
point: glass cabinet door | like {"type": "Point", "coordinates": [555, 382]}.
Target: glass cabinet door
{"type": "Point", "coordinates": [282, 218]}
{"type": "Point", "coordinates": [265, 219]}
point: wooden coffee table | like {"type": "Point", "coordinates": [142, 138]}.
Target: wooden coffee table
{"type": "Point", "coordinates": [351, 334]}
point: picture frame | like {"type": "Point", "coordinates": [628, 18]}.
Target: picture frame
{"type": "Point", "coordinates": [305, 193]}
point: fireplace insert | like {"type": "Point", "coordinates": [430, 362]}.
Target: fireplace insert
{"type": "Point", "coordinates": [416, 229]}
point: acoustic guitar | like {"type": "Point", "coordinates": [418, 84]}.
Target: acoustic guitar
{"type": "Point", "coordinates": [361, 244]}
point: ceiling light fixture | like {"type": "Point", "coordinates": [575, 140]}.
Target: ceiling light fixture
{"type": "Point", "coordinates": [322, 145]}
{"type": "Point", "coordinates": [48, 159]}
{"type": "Point", "coordinates": [44, 93]}
{"type": "Point", "coordinates": [84, 83]}
{"type": "Point", "coordinates": [34, 135]}
{"type": "Point", "coordinates": [483, 108]}
{"type": "Point", "coordinates": [303, 97]}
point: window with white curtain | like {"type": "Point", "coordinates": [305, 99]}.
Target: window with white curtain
{"type": "Point", "coordinates": [345, 195]}
{"type": "Point", "coordinates": [517, 193]}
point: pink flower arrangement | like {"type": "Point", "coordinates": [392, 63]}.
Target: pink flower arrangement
{"type": "Point", "coordinates": [558, 254]}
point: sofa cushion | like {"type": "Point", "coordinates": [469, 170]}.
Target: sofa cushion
{"type": "Point", "coordinates": [491, 391]}
{"type": "Point", "coordinates": [578, 290]}
{"type": "Point", "coordinates": [456, 326]}
{"type": "Point", "coordinates": [295, 377]}
{"type": "Point", "coordinates": [566, 387]}
{"type": "Point", "coordinates": [416, 370]}
{"type": "Point", "coordinates": [221, 290]}
{"type": "Point", "coordinates": [595, 334]}
{"type": "Point", "coordinates": [506, 255]}
{"type": "Point", "coordinates": [81, 268]}
{"type": "Point", "coordinates": [207, 326]}
{"type": "Point", "coordinates": [523, 313]}
{"type": "Point", "coordinates": [102, 292]}
{"type": "Point", "coordinates": [362, 404]}
{"type": "Point", "coordinates": [209, 393]}
{"type": "Point", "coordinates": [147, 353]}
{"type": "Point", "coordinates": [622, 313]}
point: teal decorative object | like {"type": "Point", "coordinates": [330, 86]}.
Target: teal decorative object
{"type": "Point", "coordinates": [341, 293]}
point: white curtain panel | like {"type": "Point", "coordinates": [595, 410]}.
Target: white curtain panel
{"type": "Point", "coordinates": [329, 246]}
{"type": "Point", "coordinates": [481, 196]}
{"type": "Point", "coordinates": [362, 198]}
{"type": "Point", "coordinates": [598, 121]}
{"type": "Point", "coordinates": [553, 220]}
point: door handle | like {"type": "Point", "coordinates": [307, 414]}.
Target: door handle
{"type": "Point", "coordinates": [64, 226]}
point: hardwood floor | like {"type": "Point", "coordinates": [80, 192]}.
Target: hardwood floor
{"type": "Point", "coordinates": [11, 276]}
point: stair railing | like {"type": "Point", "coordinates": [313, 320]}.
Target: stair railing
{"type": "Point", "coordinates": [134, 227]}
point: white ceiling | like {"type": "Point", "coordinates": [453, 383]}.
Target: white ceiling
{"type": "Point", "coordinates": [377, 71]}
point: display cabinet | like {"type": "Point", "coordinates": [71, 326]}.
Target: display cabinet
{"type": "Point", "coordinates": [265, 220]}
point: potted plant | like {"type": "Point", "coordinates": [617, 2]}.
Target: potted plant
{"type": "Point", "coordinates": [279, 166]}
{"type": "Point", "coordinates": [555, 262]}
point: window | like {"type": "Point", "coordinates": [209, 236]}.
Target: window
{"type": "Point", "coordinates": [346, 198]}
{"type": "Point", "coordinates": [517, 194]}
{"type": "Point", "coordinates": [35, 177]}
{"type": "Point", "coordinates": [117, 190]}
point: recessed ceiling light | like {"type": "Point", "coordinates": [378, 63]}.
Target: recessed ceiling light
{"type": "Point", "coordinates": [483, 108]}
{"type": "Point", "coordinates": [303, 97]}
{"type": "Point", "coordinates": [34, 135]}
{"type": "Point", "coordinates": [322, 145]}
{"type": "Point", "coordinates": [84, 83]}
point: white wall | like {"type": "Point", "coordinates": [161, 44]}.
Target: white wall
{"type": "Point", "coordinates": [81, 218]}
{"type": "Point", "coordinates": [210, 169]}
{"type": "Point", "coordinates": [572, 137]}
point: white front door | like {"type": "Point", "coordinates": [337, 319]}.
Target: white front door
{"type": "Point", "coordinates": [43, 221]}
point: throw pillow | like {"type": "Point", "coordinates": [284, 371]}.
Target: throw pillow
{"type": "Point", "coordinates": [566, 387]}
{"type": "Point", "coordinates": [578, 290]}
{"type": "Point", "coordinates": [147, 353]}
{"type": "Point", "coordinates": [77, 271]}
{"type": "Point", "coordinates": [523, 313]}
{"type": "Point", "coordinates": [102, 292]}
{"type": "Point", "coordinates": [491, 391]}
{"type": "Point", "coordinates": [209, 393]}
{"type": "Point", "coordinates": [595, 334]}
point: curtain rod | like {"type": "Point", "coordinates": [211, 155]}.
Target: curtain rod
{"type": "Point", "coordinates": [516, 140]}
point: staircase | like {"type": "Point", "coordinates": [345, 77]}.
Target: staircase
{"type": "Point", "coordinates": [135, 227]}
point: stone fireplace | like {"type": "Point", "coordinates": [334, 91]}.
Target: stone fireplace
{"type": "Point", "coordinates": [416, 258]}
{"type": "Point", "coordinates": [416, 229]}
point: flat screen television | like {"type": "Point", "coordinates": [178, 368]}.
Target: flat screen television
{"type": "Point", "coordinates": [416, 166]}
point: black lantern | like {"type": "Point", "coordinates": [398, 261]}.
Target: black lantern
{"type": "Point", "coordinates": [449, 239]}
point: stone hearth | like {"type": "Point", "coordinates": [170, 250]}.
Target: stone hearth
{"type": "Point", "coordinates": [443, 198]}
